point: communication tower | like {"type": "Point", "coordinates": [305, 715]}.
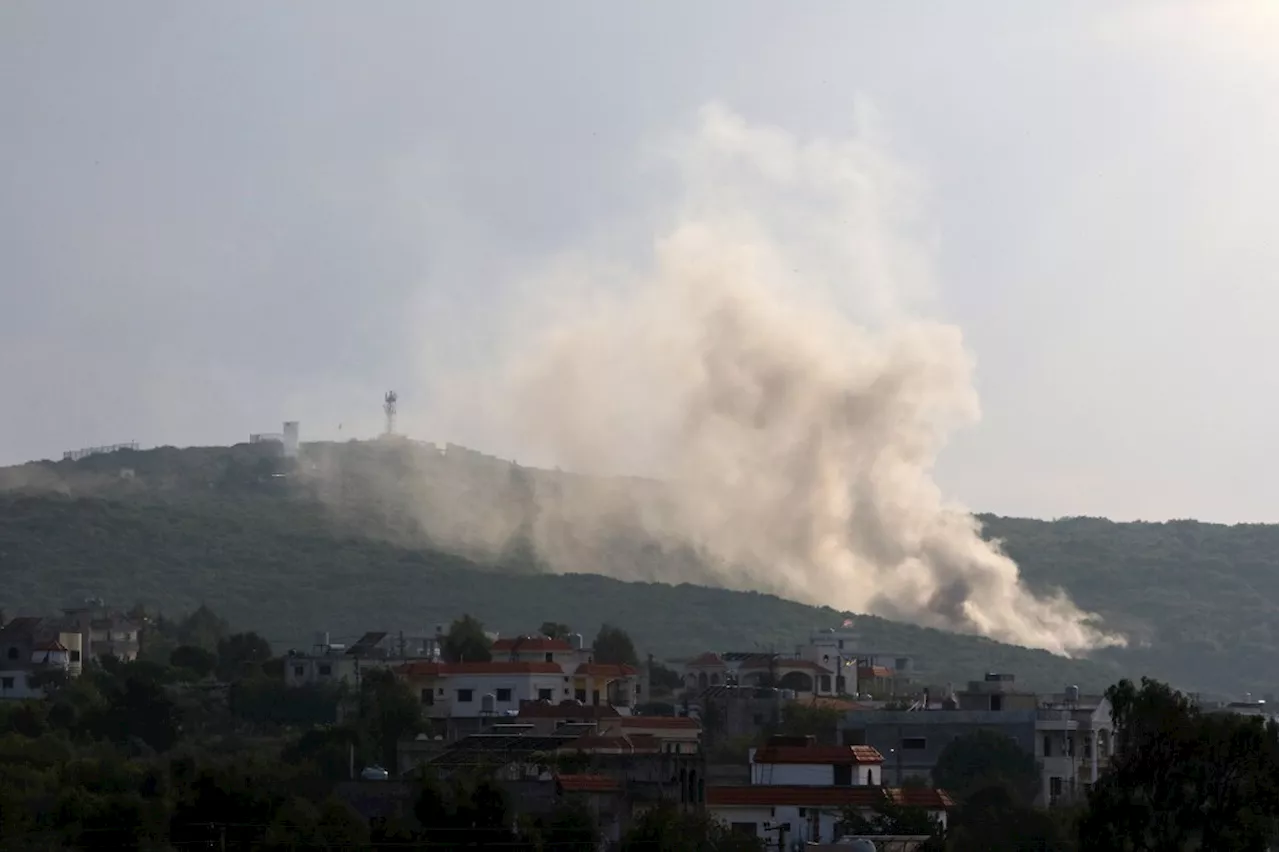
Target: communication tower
{"type": "Point", "coordinates": [389, 408]}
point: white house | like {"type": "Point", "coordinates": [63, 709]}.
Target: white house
{"type": "Point", "coordinates": [799, 791]}
{"type": "Point", "coordinates": [469, 690]}
{"type": "Point", "coordinates": [816, 766]}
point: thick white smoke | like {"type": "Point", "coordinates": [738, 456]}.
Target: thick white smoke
{"type": "Point", "coordinates": [768, 367]}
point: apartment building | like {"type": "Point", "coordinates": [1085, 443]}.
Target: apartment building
{"type": "Point", "coordinates": [1069, 734]}
{"type": "Point", "coordinates": [799, 790]}
{"type": "Point", "coordinates": [32, 648]}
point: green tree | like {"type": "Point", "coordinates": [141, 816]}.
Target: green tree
{"type": "Point", "coordinates": [389, 712]}
{"type": "Point", "coordinates": [889, 818]}
{"type": "Point", "coordinates": [992, 820]}
{"type": "Point", "coordinates": [613, 645]}
{"type": "Point", "coordinates": [466, 641]}
{"type": "Point", "coordinates": [555, 630]}
{"type": "Point", "coordinates": [1181, 779]}
{"type": "Point", "coordinates": [667, 829]}
{"type": "Point", "coordinates": [570, 827]}
{"type": "Point", "coordinates": [983, 759]}
{"type": "Point", "coordinates": [194, 659]}
{"type": "Point", "coordinates": [810, 720]}
{"type": "Point", "coordinates": [242, 653]}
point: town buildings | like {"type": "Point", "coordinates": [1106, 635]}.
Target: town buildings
{"type": "Point", "coordinates": [800, 791]}
{"type": "Point", "coordinates": [1069, 734]}
{"type": "Point", "coordinates": [34, 648]}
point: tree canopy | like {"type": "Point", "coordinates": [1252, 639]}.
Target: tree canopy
{"type": "Point", "coordinates": [1182, 779]}
{"type": "Point", "coordinates": [985, 759]}
{"type": "Point", "coordinates": [613, 645]}
{"type": "Point", "coordinates": [466, 642]}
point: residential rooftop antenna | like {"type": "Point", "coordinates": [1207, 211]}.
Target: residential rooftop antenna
{"type": "Point", "coordinates": [389, 408]}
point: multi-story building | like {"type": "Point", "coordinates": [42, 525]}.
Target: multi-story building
{"type": "Point", "coordinates": [330, 663]}
{"type": "Point", "coordinates": [797, 674]}
{"type": "Point", "coordinates": [1069, 734]}
{"type": "Point", "coordinates": [104, 632]}
{"type": "Point", "coordinates": [799, 791]}
{"type": "Point", "coordinates": [32, 648]}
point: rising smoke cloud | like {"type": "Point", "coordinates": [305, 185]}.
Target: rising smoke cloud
{"type": "Point", "coordinates": [770, 366]}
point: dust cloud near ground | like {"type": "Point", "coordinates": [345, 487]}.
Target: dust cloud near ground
{"type": "Point", "coordinates": [773, 370]}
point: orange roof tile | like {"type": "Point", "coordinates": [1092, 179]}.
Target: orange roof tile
{"type": "Point", "coordinates": [587, 783]}
{"type": "Point", "coordinates": [496, 667]}
{"type": "Point", "coordinates": [531, 643]}
{"type": "Point", "coordinates": [604, 670]}
{"type": "Point", "coordinates": [51, 645]}
{"type": "Point", "coordinates": [833, 755]}
{"type": "Point", "coordinates": [875, 671]}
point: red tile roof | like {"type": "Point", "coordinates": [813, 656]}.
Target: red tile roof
{"type": "Point", "coordinates": [497, 667]}
{"type": "Point", "coordinates": [587, 783]}
{"type": "Point", "coordinates": [710, 658]}
{"type": "Point", "coordinates": [531, 643]}
{"type": "Point", "coordinates": [762, 795]}
{"type": "Point", "coordinates": [820, 755]}
{"type": "Point", "coordinates": [875, 671]}
{"type": "Point", "coordinates": [51, 645]}
{"type": "Point", "coordinates": [604, 670]}
{"type": "Point", "coordinates": [670, 723]}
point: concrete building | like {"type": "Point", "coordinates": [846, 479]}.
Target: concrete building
{"type": "Point", "coordinates": [1069, 734]}
{"type": "Point", "coordinates": [332, 663]}
{"type": "Point", "coordinates": [32, 648]}
{"type": "Point", "coordinates": [799, 791]}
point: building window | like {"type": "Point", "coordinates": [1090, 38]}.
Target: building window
{"type": "Point", "coordinates": [840, 644]}
{"type": "Point", "coordinates": [440, 691]}
{"type": "Point", "coordinates": [299, 671]}
{"type": "Point", "coordinates": [503, 694]}
{"type": "Point", "coordinates": [1055, 787]}
{"type": "Point", "coordinates": [325, 669]}
{"type": "Point", "coordinates": [825, 680]}
{"type": "Point", "coordinates": [13, 653]}
{"type": "Point", "coordinates": [913, 743]}
{"type": "Point", "coordinates": [546, 694]}
{"type": "Point", "coordinates": [842, 776]}
{"type": "Point", "coordinates": [75, 656]}
{"type": "Point", "coordinates": [997, 702]}
{"type": "Point", "coordinates": [464, 696]}
{"type": "Point", "coordinates": [549, 657]}
{"type": "Point", "coordinates": [747, 828]}
{"type": "Point", "coordinates": [595, 697]}
{"type": "Point", "coordinates": [6, 683]}
{"type": "Point", "coordinates": [580, 695]}
{"type": "Point", "coordinates": [841, 685]}
{"type": "Point", "coordinates": [1048, 746]}
{"type": "Point", "coordinates": [428, 697]}
{"type": "Point", "coordinates": [871, 778]}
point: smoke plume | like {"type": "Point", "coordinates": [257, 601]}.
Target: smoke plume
{"type": "Point", "coordinates": [768, 366]}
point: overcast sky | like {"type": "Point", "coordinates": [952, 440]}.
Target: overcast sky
{"type": "Point", "coordinates": [217, 216]}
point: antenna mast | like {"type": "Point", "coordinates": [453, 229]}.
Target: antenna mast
{"type": "Point", "coordinates": [389, 408]}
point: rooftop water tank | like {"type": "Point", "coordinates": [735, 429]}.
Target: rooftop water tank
{"type": "Point", "coordinates": [1073, 694]}
{"type": "Point", "coordinates": [488, 704]}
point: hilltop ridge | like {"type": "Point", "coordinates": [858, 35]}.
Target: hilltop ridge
{"type": "Point", "coordinates": [399, 534]}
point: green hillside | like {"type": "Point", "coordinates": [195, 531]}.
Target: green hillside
{"type": "Point", "coordinates": [340, 542]}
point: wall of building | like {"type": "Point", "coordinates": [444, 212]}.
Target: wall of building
{"type": "Point", "coordinates": [898, 735]}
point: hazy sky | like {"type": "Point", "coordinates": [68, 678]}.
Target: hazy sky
{"type": "Point", "coordinates": [217, 216]}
